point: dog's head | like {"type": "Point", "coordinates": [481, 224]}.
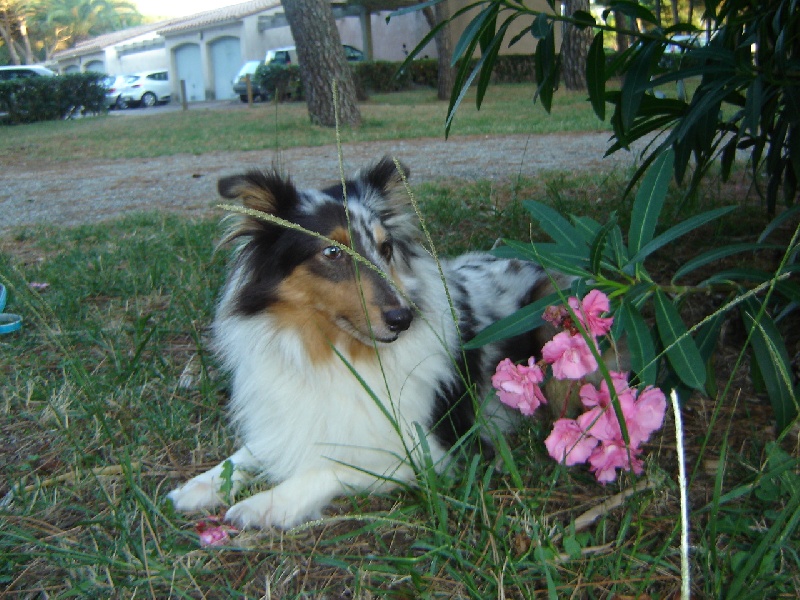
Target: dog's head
{"type": "Point", "coordinates": [313, 281]}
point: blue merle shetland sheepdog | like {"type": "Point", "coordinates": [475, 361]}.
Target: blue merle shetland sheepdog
{"type": "Point", "coordinates": [341, 363]}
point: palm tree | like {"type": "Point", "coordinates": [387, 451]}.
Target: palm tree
{"type": "Point", "coordinates": [78, 20]}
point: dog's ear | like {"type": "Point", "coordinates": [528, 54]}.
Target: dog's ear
{"type": "Point", "coordinates": [386, 176]}
{"type": "Point", "coordinates": [265, 192]}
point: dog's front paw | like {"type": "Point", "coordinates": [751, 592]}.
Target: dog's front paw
{"type": "Point", "coordinates": [196, 494]}
{"type": "Point", "coordinates": [269, 509]}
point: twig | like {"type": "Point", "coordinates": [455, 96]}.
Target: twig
{"type": "Point", "coordinates": [590, 516]}
{"type": "Point", "coordinates": [685, 575]}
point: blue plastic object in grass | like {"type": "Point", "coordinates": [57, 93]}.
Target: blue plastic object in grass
{"type": "Point", "coordinates": [8, 322]}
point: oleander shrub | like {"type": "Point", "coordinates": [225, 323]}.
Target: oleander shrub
{"type": "Point", "coordinates": [48, 98]}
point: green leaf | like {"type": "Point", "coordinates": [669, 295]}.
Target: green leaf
{"type": "Point", "coordinates": [488, 59]}
{"type": "Point", "coordinates": [770, 353]}
{"type": "Point", "coordinates": [553, 224]}
{"type": "Point", "coordinates": [541, 26]}
{"type": "Point", "coordinates": [226, 486]}
{"type": "Point", "coordinates": [752, 107]}
{"type": "Point", "coordinates": [777, 222]}
{"type": "Point", "coordinates": [677, 231]}
{"type": "Point", "coordinates": [553, 256]}
{"type": "Point", "coordinates": [640, 344]}
{"type": "Point", "coordinates": [636, 82]}
{"type": "Point", "coordinates": [717, 254]}
{"type": "Point", "coordinates": [649, 202]}
{"type": "Point", "coordinates": [583, 19]}
{"type": "Point", "coordinates": [525, 319]}
{"type": "Point", "coordinates": [546, 66]}
{"type": "Point", "coordinates": [598, 246]}
{"type": "Point", "coordinates": [596, 76]}
{"type": "Point", "coordinates": [682, 353]}
{"type": "Point", "coordinates": [632, 9]}
{"type": "Point", "coordinates": [586, 227]}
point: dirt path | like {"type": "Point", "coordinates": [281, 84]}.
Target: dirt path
{"type": "Point", "coordinates": [72, 193]}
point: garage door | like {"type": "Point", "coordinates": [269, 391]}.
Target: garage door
{"type": "Point", "coordinates": [226, 60]}
{"type": "Point", "coordinates": [190, 70]}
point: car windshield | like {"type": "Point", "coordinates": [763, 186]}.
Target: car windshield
{"type": "Point", "coordinates": [249, 68]}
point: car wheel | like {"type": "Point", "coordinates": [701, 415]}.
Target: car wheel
{"type": "Point", "coordinates": [243, 97]}
{"type": "Point", "coordinates": [149, 99]}
{"type": "Point", "coordinates": [121, 103]}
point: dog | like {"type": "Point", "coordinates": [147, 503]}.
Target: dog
{"type": "Point", "coordinates": [344, 339]}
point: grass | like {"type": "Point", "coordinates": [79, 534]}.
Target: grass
{"type": "Point", "coordinates": [110, 398]}
{"type": "Point", "coordinates": [403, 115]}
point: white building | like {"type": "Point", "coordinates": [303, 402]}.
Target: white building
{"type": "Point", "coordinates": [206, 50]}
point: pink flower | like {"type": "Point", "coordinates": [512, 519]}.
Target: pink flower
{"type": "Point", "coordinates": [591, 396]}
{"type": "Point", "coordinates": [600, 423]}
{"type": "Point", "coordinates": [609, 457]}
{"type": "Point", "coordinates": [589, 310]}
{"type": "Point", "coordinates": [213, 533]}
{"type": "Point", "coordinates": [569, 355]}
{"type": "Point", "coordinates": [568, 443]}
{"type": "Point", "coordinates": [518, 385]}
{"type": "Point", "coordinates": [649, 410]}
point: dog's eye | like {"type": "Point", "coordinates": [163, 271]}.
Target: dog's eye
{"type": "Point", "coordinates": [333, 252]}
{"type": "Point", "coordinates": [387, 250]}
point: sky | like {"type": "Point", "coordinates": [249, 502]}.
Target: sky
{"type": "Point", "coordinates": [179, 8]}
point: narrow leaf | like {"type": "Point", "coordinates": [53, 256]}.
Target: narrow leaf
{"type": "Point", "coordinates": [682, 353]}
{"type": "Point", "coordinates": [677, 231]}
{"type": "Point", "coordinates": [596, 76]}
{"type": "Point", "coordinates": [556, 226]}
{"type": "Point", "coordinates": [640, 344]}
{"type": "Point", "coordinates": [525, 319]}
{"type": "Point", "coordinates": [717, 254]}
{"type": "Point", "coordinates": [770, 353]}
{"type": "Point", "coordinates": [598, 246]}
{"type": "Point", "coordinates": [649, 202]}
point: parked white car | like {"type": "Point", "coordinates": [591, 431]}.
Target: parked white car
{"type": "Point", "coordinates": [146, 89]}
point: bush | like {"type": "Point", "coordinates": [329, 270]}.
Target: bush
{"type": "Point", "coordinates": [383, 76]}
{"type": "Point", "coordinates": [281, 81]}
{"type": "Point", "coordinates": [48, 98]}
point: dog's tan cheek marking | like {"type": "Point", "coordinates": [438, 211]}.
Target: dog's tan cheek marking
{"type": "Point", "coordinates": [309, 304]}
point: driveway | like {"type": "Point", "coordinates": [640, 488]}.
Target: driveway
{"type": "Point", "coordinates": [66, 194]}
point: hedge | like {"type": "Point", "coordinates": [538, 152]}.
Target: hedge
{"type": "Point", "coordinates": [48, 98]}
{"type": "Point", "coordinates": [379, 76]}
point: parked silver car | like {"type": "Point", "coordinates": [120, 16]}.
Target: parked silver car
{"type": "Point", "coordinates": [147, 88]}
{"type": "Point", "coordinates": [240, 82]}
{"type": "Point", "coordinates": [114, 85]}
{"type": "Point", "coordinates": [23, 71]}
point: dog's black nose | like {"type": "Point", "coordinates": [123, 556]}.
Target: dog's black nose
{"type": "Point", "coordinates": [398, 319]}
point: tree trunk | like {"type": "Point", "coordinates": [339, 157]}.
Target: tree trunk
{"type": "Point", "coordinates": [322, 61]}
{"type": "Point", "coordinates": [444, 49]}
{"type": "Point", "coordinates": [675, 16]}
{"type": "Point", "coordinates": [23, 30]}
{"type": "Point", "coordinates": [575, 49]}
{"type": "Point", "coordinates": [7, 34]}
{"type": "Point", "coordinates": [621, 23]}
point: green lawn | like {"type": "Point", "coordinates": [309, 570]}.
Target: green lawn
{"type": "Point", "coordinates": [110, 397]}
{"type": "Point", "coordinates": [404, 115]}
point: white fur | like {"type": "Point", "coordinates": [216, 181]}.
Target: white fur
{"type": "Point", "coordinates": [317, 431]}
